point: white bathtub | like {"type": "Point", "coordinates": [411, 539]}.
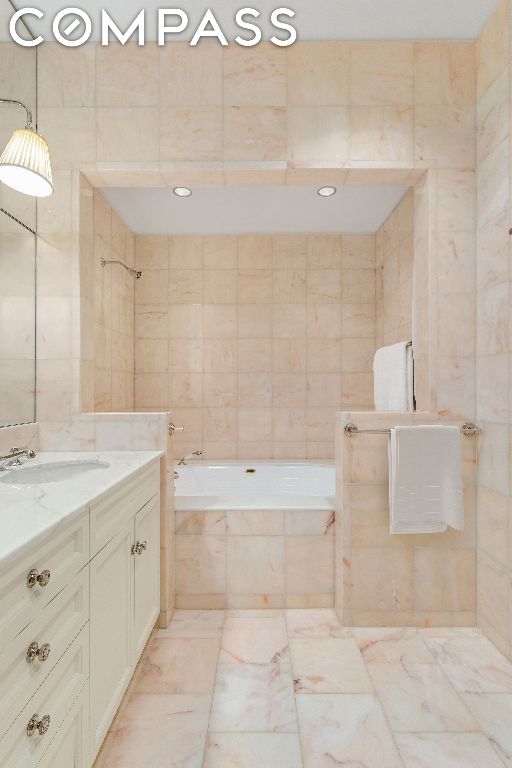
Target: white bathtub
{"type": "Point", "coordinates": [260, 485]}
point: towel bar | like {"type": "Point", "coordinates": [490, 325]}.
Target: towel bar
{"type": "Point", "coordinates": [468, 429]}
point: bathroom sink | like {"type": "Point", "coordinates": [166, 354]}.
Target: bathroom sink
{"type": "Point", "coordinates": [53, 472]}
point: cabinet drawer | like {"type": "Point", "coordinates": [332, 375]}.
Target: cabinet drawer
{"type": "Point", "coordinates": [110, 514]}
{"type": "Point", "coordinates": [56, 625]}
{"type": "Point", "coordinates": [54, 698]}
{"type": "Point", "coordinates": [63, 554]}
{"type": "Point", "coordinates": [69, 746]}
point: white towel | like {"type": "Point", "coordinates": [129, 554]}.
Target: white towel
{"type": "Point", "coordinates": [425, 479]}
{"type": "Point", "coordinates": [393, 378]}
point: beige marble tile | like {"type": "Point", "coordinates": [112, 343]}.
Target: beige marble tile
{"type": "Point", "coordinates": [253, 698]}
{"type": "Point", "coordinates": [444, 579]}
{"type": "Point", "coordinates": [328, 665]}
{"type": "Point", "coordinates": [191, 76]}
{"type": "Point", "coordinates": [418, 698]}
{"type": "Point", "coordinates": [154, 726]}
{"type": "Point", "coordinates": [255, 523]}
{"type": "Point", "coordinates": [309, 564]}
{"type": "Point", "coordinates": [348, 729]}
{"type": "Point", "coordinates": [125, 75]}
{"type": "Point", "coordinates": [451, 750]}
{"type": "Point", "coordinates": [252, 750]}
{"type": "Point", "coordinates": [318, 134]}
{"type": "Point", "coordinates": [254, 641]}
{"type": "Point", "coordinates": [314, 623]}
{"type": "Point", "coordinates": [255, 76]}
{"type": "Point", "coordinates": [445, 136]}
{"type": "Point", "coordinates": [209, 522]}
{"type": "Point", "coordinates": [493, 712]}
{"type": "Point", "coordinates": [66, 76]}
{"type": "Point", "coordinates": [472, 664]}
{"type": "Point", "coordinates": [256, 565]}
{"type": "Point", "coordinates": [381, 133]}
{"type": "Point", "coordinates": [185, 666]}
{"type": "Point", "coordinates": [444, 74]}
{"type": "Point", "coordinates": [200, 564]}
{"type": "Point", "coordinates": [389, 645]}
{"type": "Point", "coordinates": [318, 74]}
{"type": "Point", "coordinates": [381, 73]}
{"type": "Point", "coordinates": [125, 133]}
{"type": "Point", "coordinates": [254, 133]}
{"type": "Point", "coordinates": [191, 133]}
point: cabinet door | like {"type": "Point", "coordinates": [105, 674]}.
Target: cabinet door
{"type": "Point", "coordinates": [111, 614]}
{"type": "Point", "coordinates": [147, 574]}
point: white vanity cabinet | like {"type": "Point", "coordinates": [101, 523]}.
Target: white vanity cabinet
{"type": "Point", "coordinates": [76, 610]}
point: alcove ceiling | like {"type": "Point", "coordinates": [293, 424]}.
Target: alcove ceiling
{"type": "Point", "coordinates": [324, 20]}
{"type": "Point", "coordinates": [249, 210]}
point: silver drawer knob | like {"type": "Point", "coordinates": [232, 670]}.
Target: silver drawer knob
{"type": "Point", "coordinates": [33, 578]}
{"type": "Point", "coordinates": [139, 548]}
{"type": "Point", "coordinates": [36, 652]}
{"type": "Point", "coordinates": [173, 429]}
{"type": "Point", "coordinates": [35, 725]}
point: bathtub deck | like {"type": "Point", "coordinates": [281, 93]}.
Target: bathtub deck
{"type": "Point", "coordinates": [294, 689]}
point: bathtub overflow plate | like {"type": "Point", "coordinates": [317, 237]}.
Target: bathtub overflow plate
{"type": "Point", "coordinates": [250, 471]}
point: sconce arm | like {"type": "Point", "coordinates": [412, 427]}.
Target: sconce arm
{"type": "Point", "coordinates": [23, 106]}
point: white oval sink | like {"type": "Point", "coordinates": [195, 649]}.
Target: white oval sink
{"type": "Point", "coordinates": [53, 472]}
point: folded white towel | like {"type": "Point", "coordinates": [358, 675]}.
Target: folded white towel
{"type": "Point", "coordinates": [425, 479]}
{"type": "Point", "coordinates": [393, 378]}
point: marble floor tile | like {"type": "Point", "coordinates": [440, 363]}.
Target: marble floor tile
{"type": "Point", "coordinates": [389, 644]}
{"type": "Point", "coordinates": [345, 730]}
{"type": "Point", "coordinates": [253, 750]}
{"type": "Point", "coordinates": [194, 624]}
{"type": "Point", "coordinates": [493, 712]}
{"type": "Point", "coordinates": [418, 697]}
{"type": "Point", "coordinates": [447, 750]}
{"type": "Point", "coordinates": [252, 698]}
{"type": "Point", "coordinates": [254, 641]}
{"type": "Point", "coordinates": [314, 623]}
{"type": "Point", "coordinates": [161, 730]}
{"type": "Point", "coordinates": [328, 666]}
{"type": "Point", "coordinates": [472, 664]}
{"type": "Point", "coordinates": [179, 666]}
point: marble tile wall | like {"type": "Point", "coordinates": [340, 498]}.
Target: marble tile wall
{"type": "Point", "coordinates": [255, 559]}
{"type": "Point", "coordinates": [254, 342]}
{"type": "Point", "coordinates": [391, 580]}
{"type": "Point", "coordinates": [493, 329]}
{"type": "Point", "coordinates": [114, 310]}
{"type": "Point", "coordinates": [394, 257]}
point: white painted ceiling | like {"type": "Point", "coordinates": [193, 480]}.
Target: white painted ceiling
{"type": "Point", "coordinates": [254, 210]}
{"type": "Point", "coordinates": [323, 20]}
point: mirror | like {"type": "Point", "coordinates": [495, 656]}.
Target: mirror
{"type": "Point", "coordinates": [18, 80]}
{"type": "Point", "coordinates": [17, 322]}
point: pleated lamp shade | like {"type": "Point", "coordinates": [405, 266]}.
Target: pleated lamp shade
{"type": "Point", "coordinates": [25, 164]}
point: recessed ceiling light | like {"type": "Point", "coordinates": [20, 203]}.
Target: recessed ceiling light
{"type": "Point", "coordinates": [182, 191]}
{"type": "Point", "coordinates": [326, 191]}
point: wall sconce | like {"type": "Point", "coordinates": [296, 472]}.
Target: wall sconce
{"type": "Point", "coordinates": [25, 162]}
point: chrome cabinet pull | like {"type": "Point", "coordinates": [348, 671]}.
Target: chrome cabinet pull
{"type": "Point", "coordinates": [173, 429]}
{"type": "Point", "coordinates": [139, 548]}
{"type": "Point", "coordinates": [33, 578]}
{"type": "Point", "coordinates": [35, 652]}
{"type": "Point", "coordinates": [35, 725]}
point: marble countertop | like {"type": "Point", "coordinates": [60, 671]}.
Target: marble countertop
{"type": "Point", "coordinates": [31, 512]}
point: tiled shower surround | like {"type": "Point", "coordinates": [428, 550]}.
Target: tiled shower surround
{"type": "Point", "coordinates": [493, 332]}
{"type": "Point", "coordinates": [255, 559]}
{"type": "Point", "coordinates": [254, 342]}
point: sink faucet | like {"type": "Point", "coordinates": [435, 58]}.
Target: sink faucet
{"type": "Point", "coordinates": [183, 461]}
{"type": "Point", "coordinates": [13, 459]}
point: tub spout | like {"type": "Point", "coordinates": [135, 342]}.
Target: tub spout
{"type": "Point", "coordinates": [183, 461]}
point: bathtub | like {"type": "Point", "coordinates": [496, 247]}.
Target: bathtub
{"type": "Point", "coordinates": [260, 485]}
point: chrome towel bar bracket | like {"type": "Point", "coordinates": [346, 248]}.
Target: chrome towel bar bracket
{"type": "Point", "coordinates": [468, 429]}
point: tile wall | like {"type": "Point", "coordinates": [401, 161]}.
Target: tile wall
{"type": "Point", "coordinates": [254, 342]}
{"type": "Point", "coordinates": [394, 256]}
{"type": "Point", "coordinates": [255, 559]}
{"type": "Point", "coordinates": [397, 580]}
{"type": "Point", "coordinates": [493, 329]}
{"type": "Point", "coordinates": [114, 310]}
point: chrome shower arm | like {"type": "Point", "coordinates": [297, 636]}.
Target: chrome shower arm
{"type": "Point", "coordinates": [30, 123]}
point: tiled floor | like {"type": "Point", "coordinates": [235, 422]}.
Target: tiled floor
{"type": "Point", "coordinates": [294, 689]}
